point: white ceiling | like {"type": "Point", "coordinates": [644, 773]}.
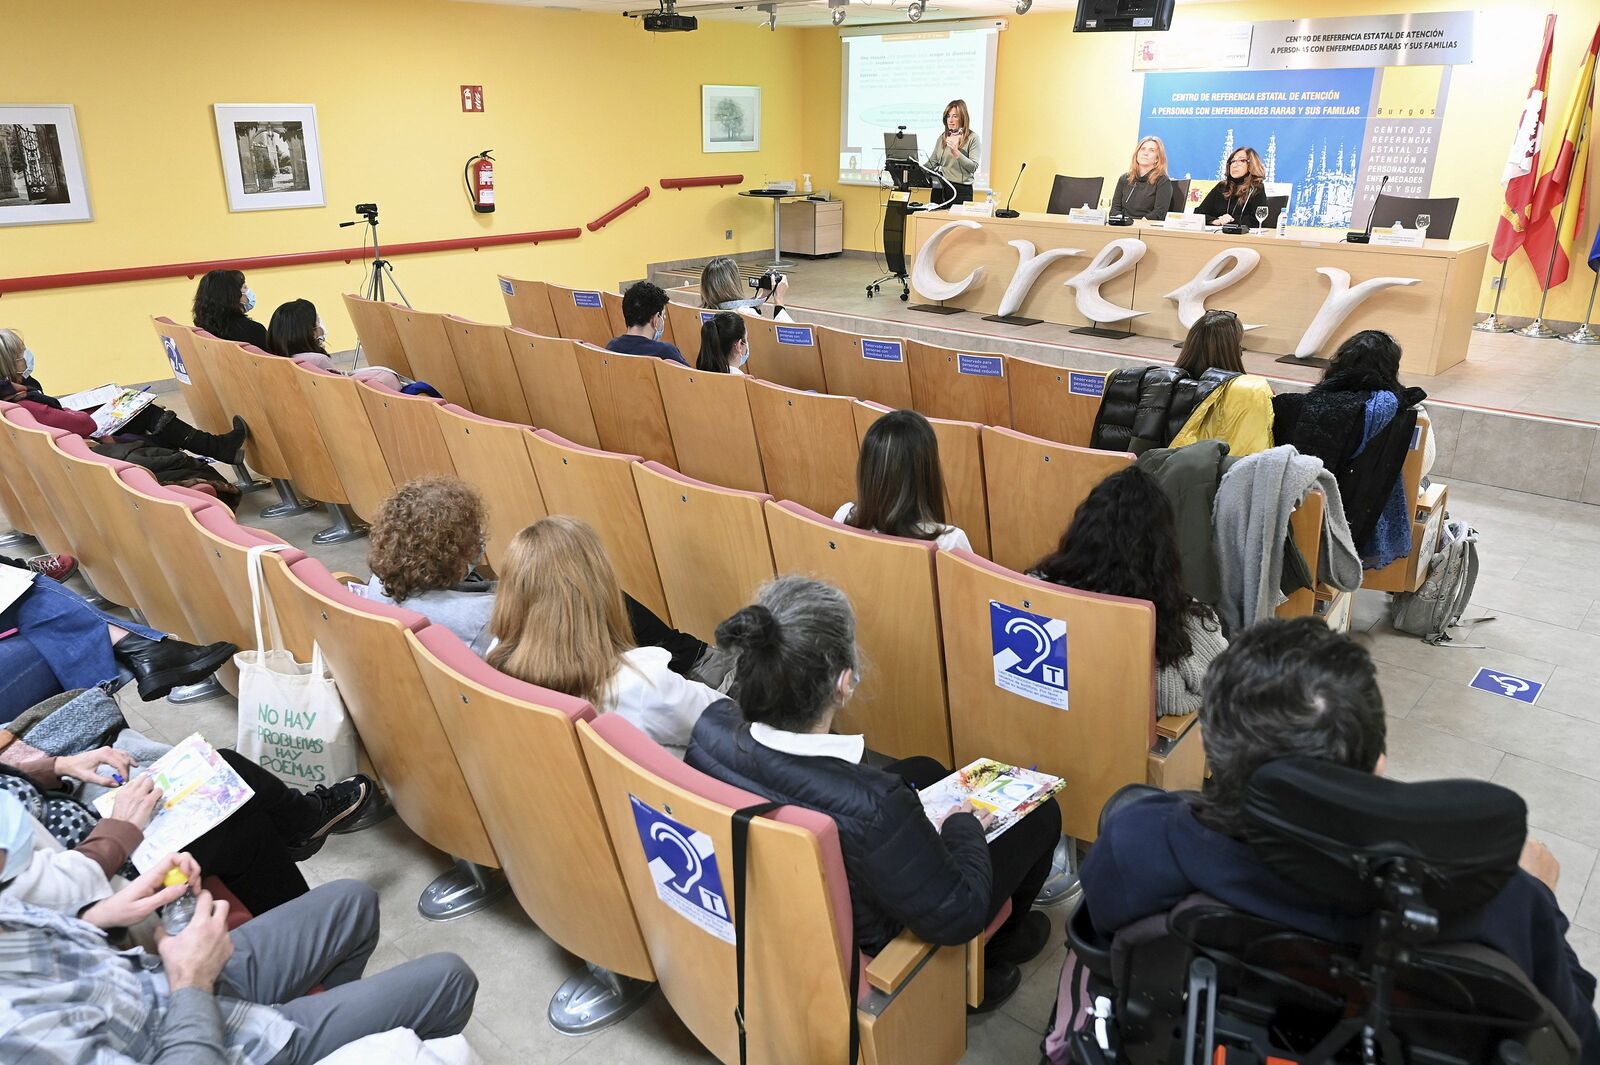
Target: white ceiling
{"type": "Point", "coordinates": [813, 12]}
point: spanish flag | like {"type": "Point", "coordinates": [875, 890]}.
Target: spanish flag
{"type": "Point", "coordinates": [1563, 169]}
{"type": "Point", "coordinates": [1522, 164]}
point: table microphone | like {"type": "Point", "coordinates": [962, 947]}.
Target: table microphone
{"type": "Point", "coordinates": [1365, 237]}
{"type": "Point", "coordinates": [1008, 212]}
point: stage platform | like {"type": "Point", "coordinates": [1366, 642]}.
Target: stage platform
{"type": "Point", "coordinates": [1518, 413]}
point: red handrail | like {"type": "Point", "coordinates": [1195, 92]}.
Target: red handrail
{"type": "Point", "coordinates": [626, 205]}
{"type": "Point", "coordinates": [700, 182]}
{"type": "Point", "coordinates": [258, 262]}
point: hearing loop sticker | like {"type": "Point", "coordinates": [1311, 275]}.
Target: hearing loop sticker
{"type": "Point", "coordinates": [684, 868]}
{"type": "Point", "coordinates": [1030, 654]}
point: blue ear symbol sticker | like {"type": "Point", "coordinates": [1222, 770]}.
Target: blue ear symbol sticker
{"type": "Point", "coordinates": [1036, 630]}
{"type": "Point", "coordinates": [663, 832]}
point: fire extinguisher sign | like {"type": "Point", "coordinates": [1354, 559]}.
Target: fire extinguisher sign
{"type": "Point", "coordinates": [472, 97]}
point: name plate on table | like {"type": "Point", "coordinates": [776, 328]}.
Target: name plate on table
{"type": "Point", "coordinates": [1088, 216]}
{"type": "Point", "coordinates": [1398, 238]}
{"type": "Point", "coordinates": [1184, 220]}
{"type": "Point", "coordinates": [977, 210]}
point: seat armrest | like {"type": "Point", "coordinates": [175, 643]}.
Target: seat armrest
{"type": "Point", "coordinates": [1431, 496]}
{"type": "Point", "coordinates": [896, 962]}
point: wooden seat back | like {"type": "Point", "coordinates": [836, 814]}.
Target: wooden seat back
{"type": "Point", "coordinates": [1305, 528]}
{"type": "Point", "coordinates": [580, 315]}
{"type": "Point", "coordinates": [619, 322]}
{"type": "Point", "coordinates": [36, 516]}
{"type": "Point", "coordinates": [552, 385]}
{"type": "Point", "coordinates": [528, 306]}
{"type": "Point", "coordinates": [1054, 402]}
{"type": "Point", "coordinates": [483, 355]}
{"type": "Point", "coordinates": [870, 368]}
{"type": "Point", "coordinates": [1098, 731]}
{"type": "Point", "coordinates": [225, 545]}
{"type": "Point", "coordinates": [168, 523]}
{"type": "Point", "coordinates": [380, 342]}
{"type": "Point", "coordinates": [625, 402]}
{"type": "Point", "coordinates": [785, 353]}
{"type": "Point", "coordinates": [407, 430]}
{"type": "Point", "coordinates": [961, 386]}
{"type": "Point", "coordinates": [225, 363]}
{"type": "Point", "coordinates": [713, 435]}
{"type": "Point", "coordinates": [493, 457]}
{"type": "Point", "coordinates": [684, 322]}
{"type": "Point", "coordinates": [966, 504]}
{"type": "Point", "coordinates": [341, 417]}
{"type": "Point", "coordinates": [1034, 487]}
{"type": "Point", "coordinates": [294, 425]}
{"type": "Point", "coordinates": [808, 444]}
{"type": "Point", "coordinates": [427, 347]}
{"type": "Point", "coordinates": [205, 407]}
{"type": "Point", "coordinates": [1407, 574]}
{"type": "Point", "coordinates": [93, 530]}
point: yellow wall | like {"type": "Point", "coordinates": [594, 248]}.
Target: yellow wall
{"type": "Point", "coordinates": [581, 109]}
{"type": "Point", "coordinates": [1069, 103]}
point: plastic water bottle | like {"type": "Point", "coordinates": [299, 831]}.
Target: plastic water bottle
{"type": "Point", "coordinates": [176, 915]}
{"type": "Point", "coordinates": [1283, 223]}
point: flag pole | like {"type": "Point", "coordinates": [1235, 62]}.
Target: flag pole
{"type": "Point", "coordinates": [1536, 328]}
{"type": "Point", "coordinates": [1493, 324]}
{"type": "Point", "coordinates": [1583, 334]}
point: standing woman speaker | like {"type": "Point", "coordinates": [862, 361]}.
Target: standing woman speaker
{"type": "Point", "coordinates": [955, 157]}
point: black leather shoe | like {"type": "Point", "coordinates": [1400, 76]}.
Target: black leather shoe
{"type": "Point", "coordinates": [161, 665]}
{"type": "Point", "coordinates": [1000, 981]}
{"type": "Point", "coordinates": [1021, 944]}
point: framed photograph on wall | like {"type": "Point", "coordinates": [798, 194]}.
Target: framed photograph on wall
{"type": "Point", "coordinates": [271, 158]}
{"type": "Point", "coordinates": [41, 166]}
{"type": "Point", "coordinates": [730, 118]}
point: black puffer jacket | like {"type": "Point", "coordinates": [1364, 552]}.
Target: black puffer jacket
{"type": "Point", "coordinates": [1145, 407]}
{"type": "Point", "coordinates": [903, 873]}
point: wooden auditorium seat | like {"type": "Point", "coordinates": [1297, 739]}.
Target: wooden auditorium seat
{"type": "Point", "coordinates": [483, 356]}
{"type": "Point", "coordinates": [428, 350]}
{"type": "Point", "coordinates": [493, 457]}
{"type": "Point", "coordinates": [784, 353]}
{"type": "Point", "coordinates": [625, 402]}
{"type": "Point", "coordinates": [168, 521]}
{"type": "Point", "coordinates": [375, 331]}
{"type": "Point", "coordinates": [598, 487]}
{"type": "Point", "coordinates": [684, 322]}
{"type": "Point", "coordinates": [798, 928]}
{"type": "Point", "coordinates": [580, 315]}
{"type": "Point", "coordinates": [1054, 402]}
{"type": "Point", "coordinates": [1034, 487]}
{"type": "Point", "coordinates": [225, 546]}
{"type": "Point", "coordinates": [393, 712]}
{"type": "Point", "coordinates": [224, 361]}
{"type": "Point", "coordinates": [528, 306]}
{"type": "Point", "coordinates": [76, 464]}
{"type": "Point", "coordinates": [869, 368]}
{"type": "Point", "coordinates": [37, 518]}
{"type": "Point", "coordinates": [966, 505]}
{"type": "Point", "coordinates": [1426, 507]}
{"type": "Point", "coordinates": [808, 444]}
{"type": "Point", "coordinates": [336, 406]}
{"type": "Point", "coordinates": [713, 435]}
{"type": "Point", "coordinates": [1305, 527]}
{"type": "Point", "coordinates": [900, 705]}
{"type": "Point", "coordinates": [551, 839]}
{"type": "Point", "coordinates": [961, 386]}
{"type": "Point", "coordinates": [552, 385]}
{"type": "Point", "coordinates": [205, 406]}
{"type": "Point", "coordinates": [408, 433]}
{"type": "Point", "coordinates": [710, 546]}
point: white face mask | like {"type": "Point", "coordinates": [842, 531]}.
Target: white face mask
{"type": "Point", "coordinates": [321, 332]}
{"type": "Point", "coordinates": [16, 836]}
{"type": "Point", "coordinates": [27, 362]}
{"type": "Point", "coordinates": [249, 300]}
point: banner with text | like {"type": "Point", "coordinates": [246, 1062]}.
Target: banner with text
{"type": "Point", "coordinates": [1427, 38]}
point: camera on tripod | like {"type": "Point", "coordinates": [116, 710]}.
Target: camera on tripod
{"type": "Point", "coordinates": [369, 211]}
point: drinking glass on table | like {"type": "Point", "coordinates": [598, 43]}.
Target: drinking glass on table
{"type": "Point", "coordinates": [1422, 224]}
{"type": "Point", "coordinates": [1261, 217]}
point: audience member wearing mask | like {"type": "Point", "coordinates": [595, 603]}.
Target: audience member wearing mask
{"type": "Point", "coordinates": [724, 347]}
{"type": "Point", "coordinates": [644, 310]}
{"type": "Point", "coordinates": [296, 332]}
{"type": "Point", "coordinates": [222, 306]}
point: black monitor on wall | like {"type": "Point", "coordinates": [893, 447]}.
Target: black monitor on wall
{"type": "Point", "coordinates": [1123, 15]}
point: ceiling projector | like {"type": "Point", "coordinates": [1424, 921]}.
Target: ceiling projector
{"type": "Point", "coordinates": [667, 20]}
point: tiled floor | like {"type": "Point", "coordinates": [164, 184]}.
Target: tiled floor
{"type": "Point", "coordinates": [1541, 580]}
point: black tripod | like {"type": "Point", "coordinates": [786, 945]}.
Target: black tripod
{"type": "Point", "coordinates": [374, 289]}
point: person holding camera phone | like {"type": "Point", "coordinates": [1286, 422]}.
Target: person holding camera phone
{"type": "Point", "coordinates": [720, 290]}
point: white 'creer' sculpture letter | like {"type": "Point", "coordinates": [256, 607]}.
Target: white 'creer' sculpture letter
{"type": "Point", "coordinates": [1115, 259]}
{"type": "Point", "coordinates": [1191, 297]}
{"type": "Point", "coordinates": [1337, 305]}
{"type": "Point", "coordinates": [1029, 266]}
{"type": "Point", "coordinates": [925, 275]}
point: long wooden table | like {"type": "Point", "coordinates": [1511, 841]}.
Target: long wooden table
{"type": "Point", "coordinates": [1431, 319]}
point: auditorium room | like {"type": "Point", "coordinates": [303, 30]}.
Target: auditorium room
{"type": "Point", "coordinates": [800, 532]}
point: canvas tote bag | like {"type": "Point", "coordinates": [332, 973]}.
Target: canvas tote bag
{"type": "Point", "coordinates": [292, 721]}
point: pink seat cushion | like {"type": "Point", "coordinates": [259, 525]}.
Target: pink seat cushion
{"type": "Point", "coordinates": [142, 480]}
{"type": "Point", "coordinates": [219, 521]}
{"type": "Point", "coordinates": [311, 367]}
{"type": "Point", "coordinates": [447, 647]}
{"type": "Point", "coordinates": [79, 448]}
{"type": "Point", "coordinates": [314, 575]}
{"type": "Point", "coordinates": [20, 417]}
{"type": "Point", "coordinates": [673, 475]}
{"type": "Point", "coordinates": [545, 434]}
{"type": "Point", "coordinates": [657, 761]}
{"type": "Point", "coordinates": [462, 412]}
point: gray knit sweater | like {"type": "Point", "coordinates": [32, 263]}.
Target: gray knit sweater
{"type": "Point", "coordinates": [1178, 686]}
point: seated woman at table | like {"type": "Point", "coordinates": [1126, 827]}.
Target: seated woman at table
{"type": "Point", "coordinates": [1236, 197]}
{"type": "Point", "coordinates": [1145, 191]}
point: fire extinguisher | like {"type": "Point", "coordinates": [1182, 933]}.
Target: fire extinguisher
{"type": "Point", "coordinates": [479, 177]}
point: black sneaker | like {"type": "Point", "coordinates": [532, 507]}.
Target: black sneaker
{"type": "Point", "coordinates": [1021, 944]}
{"type": "Point", "coordinates": [343, 802]}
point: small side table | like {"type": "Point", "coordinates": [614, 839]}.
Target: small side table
{"type": "Point", "coordinates": [777, 198]}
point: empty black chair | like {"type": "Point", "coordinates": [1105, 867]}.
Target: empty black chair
{"type": "Point", "coordinates": [1400, 859]}
{"type": "Point", "coordinates": [1441, 212]}
{"type": "Point", "coordinates": [1180, 194]}
{"type": "Point", "coordinates": [1070, 192]}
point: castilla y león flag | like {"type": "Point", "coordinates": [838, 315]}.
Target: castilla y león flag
{"type": "Point", "coordinates": [1562, 169]}
{"type": "Point", "coordinates": [1522, 163]}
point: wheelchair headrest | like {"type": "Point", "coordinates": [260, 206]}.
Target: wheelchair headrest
{"type": "Point", "coordinates": [1333, 830]}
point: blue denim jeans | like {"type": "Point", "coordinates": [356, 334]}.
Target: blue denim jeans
{"type": "Point", "coordinates": [61, 644]}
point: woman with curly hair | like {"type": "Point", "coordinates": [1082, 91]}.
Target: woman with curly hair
{"type": "Point", "coordinates": [222, 306]}
{"type": "Point", "coordinates": [424, 542]}
{"type": "Point", "coordinates": [1122, 541]}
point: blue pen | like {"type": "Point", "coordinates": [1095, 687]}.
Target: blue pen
{"type": "Point", "coordinates": [117, 777]}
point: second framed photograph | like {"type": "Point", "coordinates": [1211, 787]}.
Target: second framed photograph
{"type": "Point", "coordinates": [730, 118]}
{"type": "Point", "coordinates": [41, 166]}
{"type": "Point", "coordinates": [271, 158]}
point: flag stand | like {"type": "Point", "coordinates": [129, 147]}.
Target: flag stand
{"type": "Point", "coordinates": [1493, 324]}
{"type": "Point", "coordinates": [1583, 334]}
{"type": "Point", "coordinates": [1536, 328]}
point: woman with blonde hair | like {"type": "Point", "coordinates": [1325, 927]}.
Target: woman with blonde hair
{"type": "Point", "coordinates": [559, 622]}
{"type": "Point", "coordinates": [722, 289]}
{"type": "Point", "coordinates": [1243, 189]}
{"type": "Point", "coordinates": [423, 544]}
{"type": "Point", "coordinates": [1145, 191]}
{"type": "Point", "coordinates": [956, 154]}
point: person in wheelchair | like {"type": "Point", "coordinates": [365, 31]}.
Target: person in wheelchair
{"type": "Point", "coordinates": [1297, 849]}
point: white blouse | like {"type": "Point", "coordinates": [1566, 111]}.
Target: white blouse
{"type": "Point", "coordinates": [660, 702]}
{"type": "Point", "coordinates": [948, 537]}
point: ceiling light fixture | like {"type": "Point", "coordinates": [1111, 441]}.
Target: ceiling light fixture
{"type": "Point", "coordinates": [914, 10]}
{"type": "Point", "coordinates": [839, 14]}
{"type": "Point", "coordinates": [1023, 6]}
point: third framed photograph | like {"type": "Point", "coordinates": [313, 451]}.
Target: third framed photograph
{"type": "Point", "coordinates": [271, 158]}
{"type": "Point", "coordinates": [730, 118]}
{"type": "Point", "coordinates": [41, 166]}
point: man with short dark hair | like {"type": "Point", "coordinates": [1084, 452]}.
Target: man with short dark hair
{"type": "Point", "coordinates": [644, 308]}
{"type": "Point", "coordinates": [1297, 689]}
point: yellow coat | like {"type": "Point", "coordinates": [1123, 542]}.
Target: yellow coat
{"type": "Point", "coordinates": [1239, 414]}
